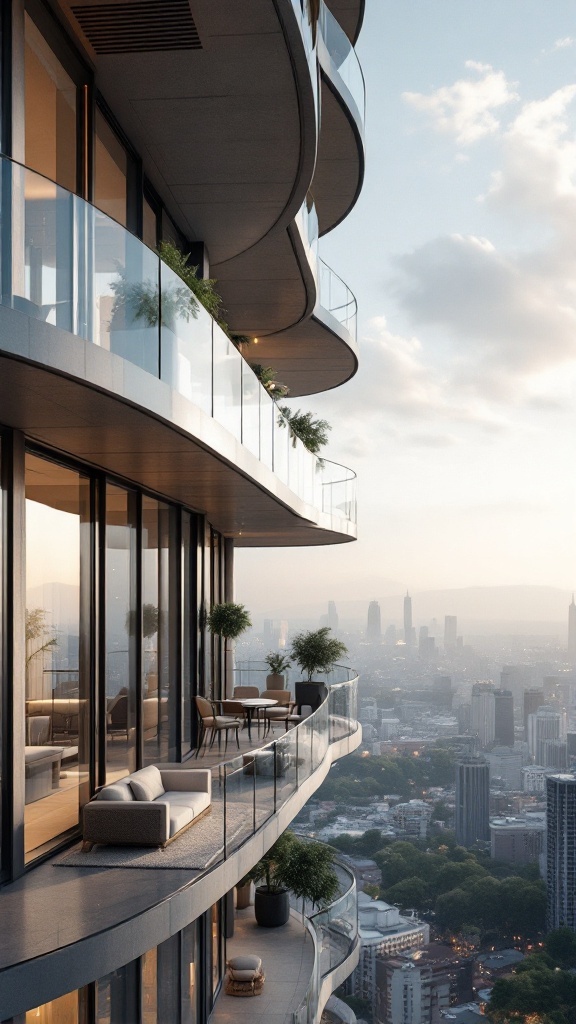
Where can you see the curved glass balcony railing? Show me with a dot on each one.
(335, 296)
(343, 57)
(68, 264)
(335, 933)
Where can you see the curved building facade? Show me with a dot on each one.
(138, 450)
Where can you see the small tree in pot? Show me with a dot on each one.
(291, 864)
(229, 621)
(315, 651)
(278, 664)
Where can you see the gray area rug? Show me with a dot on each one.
(196, 849)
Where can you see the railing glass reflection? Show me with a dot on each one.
(68, 264)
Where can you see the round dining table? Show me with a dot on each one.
(252, 704)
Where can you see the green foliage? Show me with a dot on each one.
(150, 620)
(317, 651)
(228, 620)
(560, 945)
(409, 894)
(539, 992)
(305, 868)
(38, 637)
(267, 377)
(277, 662)
(203, 288)
(361, 1007)
(312, 432)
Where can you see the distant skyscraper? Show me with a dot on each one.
(374, 624)
(572, 632)
(463, 714)
(503, 718)
(532, 699)
(545, 724)
(332, 616)
(268, 633)
(391, 636)
(561, 851)
(555, 755)
(408, 635)
(450, 632)
(482, 713)
(472, 800)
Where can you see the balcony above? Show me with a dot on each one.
(349, 14)
(255, 796)
(106, 355)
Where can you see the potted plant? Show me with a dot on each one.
(291, 864)
(315, 651)
(229, 621)
(243, 888)
(278, 664)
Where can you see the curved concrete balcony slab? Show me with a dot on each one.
(224, 115)
(107, 356)
(111, 915)
(339, 171)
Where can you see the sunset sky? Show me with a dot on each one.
(462, 254)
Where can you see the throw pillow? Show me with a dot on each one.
(147, 783)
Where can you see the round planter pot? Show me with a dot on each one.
(243, 896)
(275, 682)
(271, 909)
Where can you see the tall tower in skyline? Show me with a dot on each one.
(450, 632)
(483, 713)
(572, 632)
(408, 635)
(503, 718)
(374, 624)
(561, 851)
(472, 800)
(333, 620)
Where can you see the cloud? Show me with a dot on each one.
(564, 43)
(466, 108)
(508, 317)
(538, 176)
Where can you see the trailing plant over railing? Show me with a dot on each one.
(312, 432)
(203, 288)
(267, 377)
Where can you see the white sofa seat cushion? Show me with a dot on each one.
(179, 817)
(147, 783)
(197, 802)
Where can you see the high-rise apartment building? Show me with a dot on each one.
(483, 713)
(408, 628)
(505, 767)
(503, 718)
(374, 623)
(572, 632)
(450, 632)
(545, 724)
(532, 700)
(139, 449)
(518, 840)
(472, 801)
(561, 851)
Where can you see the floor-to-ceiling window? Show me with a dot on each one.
(159, 630)
(111, 163)
(51, 101)
(121, 631)
(58, 711)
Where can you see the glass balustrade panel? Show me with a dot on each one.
(186, 339)
(251, 389)
(227, 383)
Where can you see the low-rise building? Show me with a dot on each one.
(412, 818)
(383, 931)
(534, 778)
(518, 840)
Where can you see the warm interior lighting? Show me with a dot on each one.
(192, 976)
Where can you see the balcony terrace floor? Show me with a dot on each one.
(288, 962)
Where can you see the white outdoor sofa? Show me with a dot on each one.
(148, 808)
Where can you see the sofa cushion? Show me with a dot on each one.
(197, 802)
(147, 783)
(116, 791)
(179, 817)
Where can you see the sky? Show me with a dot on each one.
(461, 251)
